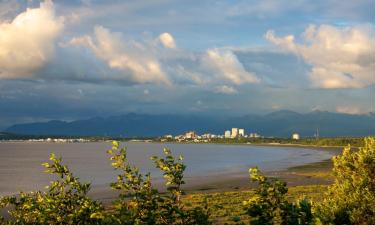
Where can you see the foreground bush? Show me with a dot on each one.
(351, 199)
(269, 205)
(140, 203)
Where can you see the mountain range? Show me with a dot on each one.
(278, 124)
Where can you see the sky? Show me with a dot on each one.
(69, 60)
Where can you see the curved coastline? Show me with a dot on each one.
(315, 173)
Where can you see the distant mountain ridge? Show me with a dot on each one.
(279, 124)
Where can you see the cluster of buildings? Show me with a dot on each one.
(193, 136)
(239, 133)
(56, 140)
(234, 133)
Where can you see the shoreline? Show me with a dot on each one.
(290, 145)
(325, 147)
(312, 147)
(315, 173)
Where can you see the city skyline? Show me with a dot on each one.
(71, 60)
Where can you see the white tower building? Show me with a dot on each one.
(234, 132)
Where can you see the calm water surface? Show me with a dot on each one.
(20, 167)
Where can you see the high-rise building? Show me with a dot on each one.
(241, 132)
(227, 134)
(234, 132)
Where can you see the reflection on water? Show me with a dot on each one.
(20, 163)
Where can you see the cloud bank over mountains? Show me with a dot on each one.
(85, 57)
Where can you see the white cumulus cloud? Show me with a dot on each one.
(27, 42)
(340, 57)
(136, 60)
(226, 65)
(167, 40)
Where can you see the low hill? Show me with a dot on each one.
(279, 124)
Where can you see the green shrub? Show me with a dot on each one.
(269, 205)
(140, 203)
(351, 199)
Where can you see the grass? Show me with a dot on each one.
(321, 169)
(227, 207)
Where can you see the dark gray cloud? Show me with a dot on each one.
(277, 69)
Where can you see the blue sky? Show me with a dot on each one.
(69, 60)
